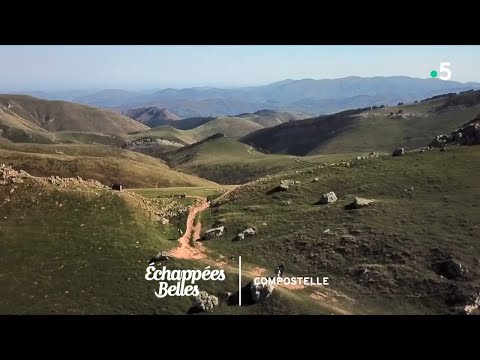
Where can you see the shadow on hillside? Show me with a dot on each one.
(350, 206)
(246, 297)
(274, 190)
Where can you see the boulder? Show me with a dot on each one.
(261, 292)
(451, 269)
(287, 182)
(328, 198)
(214, 233)
(468, 134)
(399, 152)
(249, 232)
(470, 308)
(204, 302)
(161, 256)
(316, 179)
(361, 202)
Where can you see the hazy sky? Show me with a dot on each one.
(137, 67)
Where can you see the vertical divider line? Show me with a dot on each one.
(239, 281)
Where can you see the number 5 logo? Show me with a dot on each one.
(445, 68)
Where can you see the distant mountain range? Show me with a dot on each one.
(314, 97)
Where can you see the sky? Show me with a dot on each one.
(138, 67)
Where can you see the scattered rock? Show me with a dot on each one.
(399, 152)
(408, 189)
(286, 202)
(261, 292)
(214, 233)
(161, 256)
(451, 269)
(328, 198)
(359, 203)
(348, 239)
(297, 182)
(468, 134)
(204, 302)
(287, 182)
(326, 231)
(316, 179)
(247, 232)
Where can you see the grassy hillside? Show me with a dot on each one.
(381, 257)
(86, 252)
(103, 163)
(365, 130)
(269, 118)
(231, 126)
(29, 113)
(166, 132)
(79, 253)
(228, 161)
(152, 116)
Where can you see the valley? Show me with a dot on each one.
(322, 194)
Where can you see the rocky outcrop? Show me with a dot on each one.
(148, 142)
(468, 134)
(204, 302)
(161, 256)
(451, 269)
(398, 152)
(247, 232)
(328, 198)
(214, 233)
(359, 203)
(287, 183)
(8, 174)
(260, 292)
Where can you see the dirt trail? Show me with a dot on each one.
(301, 161)
(185, 251)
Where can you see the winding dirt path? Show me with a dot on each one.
(184, 250)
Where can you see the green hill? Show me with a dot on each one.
(382, 259)
(166, 132)
(234, 127)
(28, 119)
(269, 118)
(227, 161)
(364, 130)
(69, 251)
(103, 163)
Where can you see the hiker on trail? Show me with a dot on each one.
(280, 269)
